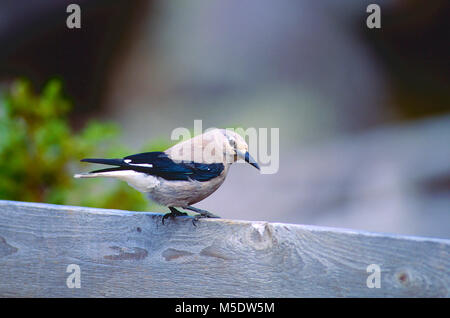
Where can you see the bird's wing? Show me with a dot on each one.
(159, 164)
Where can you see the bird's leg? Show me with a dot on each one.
(203, 213)
(173, 213)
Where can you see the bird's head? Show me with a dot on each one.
(236, 148)
(215, 145)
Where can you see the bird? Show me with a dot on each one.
(182, 175)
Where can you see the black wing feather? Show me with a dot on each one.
(163, 166)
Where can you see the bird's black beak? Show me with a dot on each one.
(251, 161)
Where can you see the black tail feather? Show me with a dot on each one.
(112, 162)
(122, 165)
(110, 169)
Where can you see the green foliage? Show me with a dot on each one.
(39, 152)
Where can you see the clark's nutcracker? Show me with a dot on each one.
(183, 174)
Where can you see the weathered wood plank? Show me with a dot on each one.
(131, 254)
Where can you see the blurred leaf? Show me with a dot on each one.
(39, 152)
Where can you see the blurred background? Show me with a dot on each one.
(364, 114)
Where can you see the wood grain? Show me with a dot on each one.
(131, 254)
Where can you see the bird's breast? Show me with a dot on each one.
(184, 193)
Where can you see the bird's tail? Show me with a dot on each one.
(111, 162)
(109, 172)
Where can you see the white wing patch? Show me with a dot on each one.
(148, 165)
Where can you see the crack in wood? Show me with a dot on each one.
(5, 248)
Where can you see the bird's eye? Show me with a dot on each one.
(233, 143)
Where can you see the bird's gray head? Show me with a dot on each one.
(235, 147)
(214, 146)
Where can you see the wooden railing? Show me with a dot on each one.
(64, 251)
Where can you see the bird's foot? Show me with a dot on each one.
(206, 214)
(173, 214)
(201, 214)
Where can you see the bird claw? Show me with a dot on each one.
(173, 214)
(195, 220)
(210, 215)
(203, 215)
